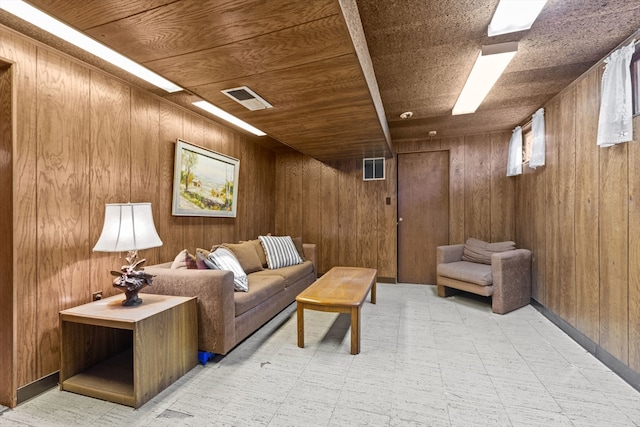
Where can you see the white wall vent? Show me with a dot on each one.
(373, 169)
(245, 96)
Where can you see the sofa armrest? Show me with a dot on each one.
(511, 271)
(310, 253)
(449, 253)
(216, 306)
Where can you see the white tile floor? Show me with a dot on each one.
(424, 361)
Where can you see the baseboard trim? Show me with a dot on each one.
(610, 361)
(33, 389)
(386, 280)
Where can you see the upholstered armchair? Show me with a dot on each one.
(495, 270)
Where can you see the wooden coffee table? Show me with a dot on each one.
(340, 290)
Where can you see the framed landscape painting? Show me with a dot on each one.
(205, 183)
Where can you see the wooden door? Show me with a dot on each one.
(423, 214)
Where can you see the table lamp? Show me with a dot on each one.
(129, 227)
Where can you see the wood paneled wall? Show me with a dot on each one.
(84, 139)
(580, 216)
(332, 206)
(481, 196)
(7, 289)
(350, 221)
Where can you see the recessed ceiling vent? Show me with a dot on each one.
(245, 96)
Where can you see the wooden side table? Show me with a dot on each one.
(127, 355)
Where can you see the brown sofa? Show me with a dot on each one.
(225, 317)
(506, 279)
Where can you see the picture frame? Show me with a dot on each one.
(205, 182)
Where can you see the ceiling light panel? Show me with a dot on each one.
(218, 112)
(51, 25)
(514, 15)
(489, 66)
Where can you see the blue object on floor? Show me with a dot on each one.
(204, 356)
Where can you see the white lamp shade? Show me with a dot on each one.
(127, 227)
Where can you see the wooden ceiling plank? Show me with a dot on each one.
(291, 47)
(192, 25)
(85, 14)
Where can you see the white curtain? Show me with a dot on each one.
(615, 124)
(514, 162)
(538, 144)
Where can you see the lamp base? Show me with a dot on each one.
(131, 299)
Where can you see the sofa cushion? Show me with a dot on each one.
(480, 251)
(261, 287)
(466, 271)
(202, 259)
(297, 241)
(290, 274)
(260, 251)
(184, 260)
(247, 256)
(224, 259)
(280, 251)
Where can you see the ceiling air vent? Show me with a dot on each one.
(248, 98)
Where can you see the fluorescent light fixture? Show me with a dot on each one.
(228, 117)
(490, 64)
(514, 15)
(40, 19)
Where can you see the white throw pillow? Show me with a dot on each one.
(280, 251)
(224, 259)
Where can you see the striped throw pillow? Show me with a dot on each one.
(280, 251)
(224, 259)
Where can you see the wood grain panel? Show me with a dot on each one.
(329, 255)
(290, 47)
(244, 213)
(566, 206)
(634, 249)
(281, 201)
(524, 206)
(110, 170)
(63, 194)
(539, 215)
(145, 160)
(348, 209)
(7, 291)
(613, 251)
(24, 198)
(455, 145)
(586, 207)
(312, 202)
(477, 179)
(99, 12)
(162, 32)
(293, 188)
(370, 197)
(502, 190)
(262, 201)
(552, 240)
(168, 226)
